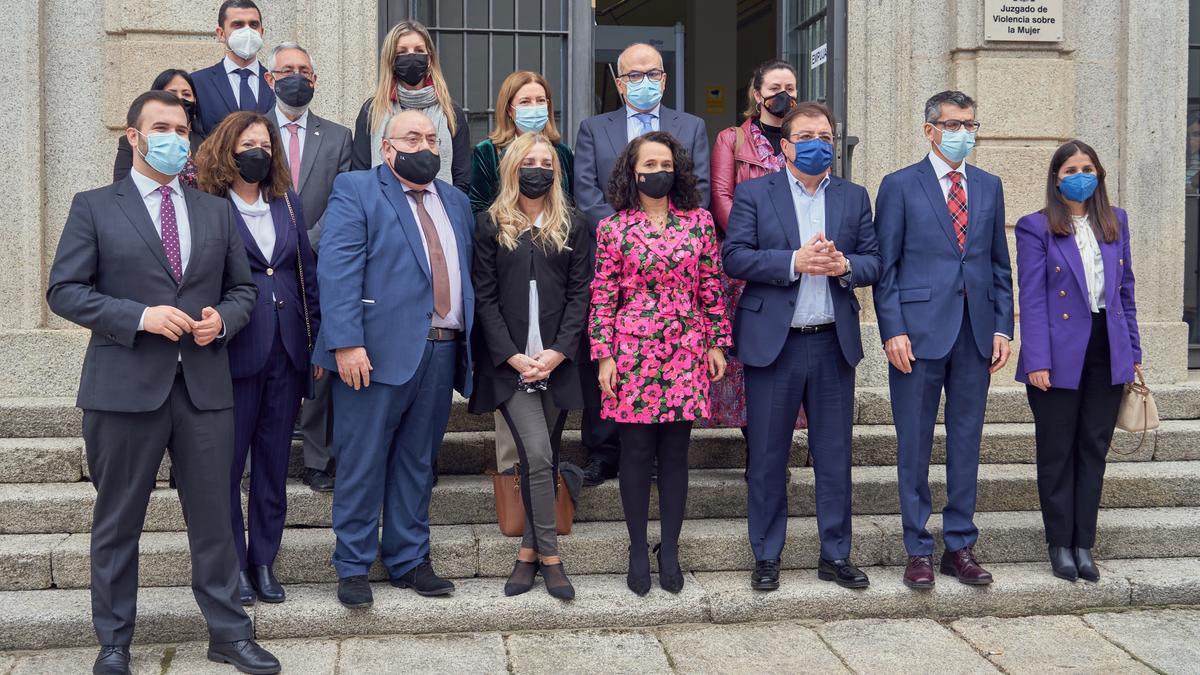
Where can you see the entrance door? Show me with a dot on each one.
(813, 35)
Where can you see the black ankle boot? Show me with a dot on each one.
(557, 583)
(1062, 563)
(521, 579)
(638, 578)
(1086, 565)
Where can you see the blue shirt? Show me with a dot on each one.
(633, 125)
(814, 304)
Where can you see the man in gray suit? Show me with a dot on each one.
(317, 150)
(158, 273)
(641, 81)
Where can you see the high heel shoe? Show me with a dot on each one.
(557, 583)
(1062, 563)
(521, 579)
(1087, 566)
(638, 577)
(671, 581)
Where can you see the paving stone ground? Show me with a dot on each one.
(1133, 641)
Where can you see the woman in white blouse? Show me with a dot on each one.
(270, 357)
(1079, 346)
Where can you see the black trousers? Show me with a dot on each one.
(640, 445)
(124, 451)
(600, 436)
(1074, 428)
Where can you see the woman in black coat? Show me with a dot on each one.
(176, 82)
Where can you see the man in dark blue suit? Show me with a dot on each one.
(238, 81)
(396, 303)
(945, 309)
(803, 240)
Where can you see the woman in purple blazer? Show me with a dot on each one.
(1079, 345)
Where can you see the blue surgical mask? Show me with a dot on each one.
(166, 152)
(813, 157)
(1078, 187)
(956, 145)
(530, 117)
(643, 95)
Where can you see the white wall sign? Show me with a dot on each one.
(1023, 20)
(818, 57)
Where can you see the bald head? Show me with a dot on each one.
(409, 121)
(639, 56)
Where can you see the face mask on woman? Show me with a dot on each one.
(254, 165)
(531, 117)
(656, 185)
(411, 68)
(1078, 187)
(779, 104)
(536, 181)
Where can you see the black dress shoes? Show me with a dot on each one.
(638, 576)
(266, 584)
(765, 576)
(354, 592)
(245, 655)
(596, 472)
(1062, 563)
(319, 481)
(424, 581)
(671, 580)
(112, 660)
(521, 579)
(1086, 565)
(246, 592)
(843, 573)
(557, 583)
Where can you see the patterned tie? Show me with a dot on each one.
(647, 122)
(293, 153)
(170, 231)
(437, 258)
(957, 203)
(246, 99)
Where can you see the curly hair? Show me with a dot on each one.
(622, 192)
(216, 169)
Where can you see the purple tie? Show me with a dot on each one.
(170, 231)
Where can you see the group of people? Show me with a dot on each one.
(250, 255)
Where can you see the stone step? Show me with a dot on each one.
(58, 417)
(37, 561)
(50, 508)
(61, 618)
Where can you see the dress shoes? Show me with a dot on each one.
(424, 581)
(671, 580)
(354, 592)
(637, 578)
(1062, 563)
(557, 583)
(765, 576)
(266, 585)
(918, 573)
(596, 472)
(246, 592)
(521, 579)
(1086, 565)
(842, 572)
(319, 481)
(112, 660)
(961, 564)
(245, 655)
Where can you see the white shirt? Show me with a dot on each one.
(814, 304)
(533, 344)
(286, 134)
(633, 125)
(235, 80)
(257, 217)
(433, 204)
(1093, 261)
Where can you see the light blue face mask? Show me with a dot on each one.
(956, 145)
(644, 95)
(166, 152)
(530, 117)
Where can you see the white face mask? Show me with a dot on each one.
(245, 42)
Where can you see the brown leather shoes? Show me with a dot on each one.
(919, 572)
(962, 565)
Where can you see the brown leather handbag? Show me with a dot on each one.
(510, 508)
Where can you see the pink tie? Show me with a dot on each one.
(294, 154)
(170, 231)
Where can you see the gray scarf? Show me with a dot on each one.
(424, 100)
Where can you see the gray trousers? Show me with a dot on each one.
(316, 422)
(536, 426)
(506, 447)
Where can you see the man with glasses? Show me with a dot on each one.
(316, 151)
(803, 241)
(945, 309)
(641, 81)
(397, 301)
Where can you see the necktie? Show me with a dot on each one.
(957, 203)
(437, 258)
(170, 231)
(246, 100)
(647, 122)
(293, 153)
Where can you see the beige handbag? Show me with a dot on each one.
(1138, 413)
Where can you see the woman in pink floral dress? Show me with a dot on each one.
(659, 330)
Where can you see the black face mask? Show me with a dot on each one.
(254, 164)
(410, 68)
(189, 107)
(294, 90)
(656, 185)
(536, 181)
(419, 168)
(779, 104)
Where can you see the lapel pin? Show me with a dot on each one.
(316, 133)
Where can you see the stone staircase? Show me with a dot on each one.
(1149, 540)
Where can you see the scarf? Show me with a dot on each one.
(424, 100)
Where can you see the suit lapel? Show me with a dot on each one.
(282, 221)
(393, 191)
(1110, 252)
(937, 202)
(833, 208)
(785, 208)
(135, 210)
(618, 132)
(262, 99)
(1069, 250)
(312, 146)
(196, 230)
(668, 121)
(975, 203)
(220, 81)
(248, 240)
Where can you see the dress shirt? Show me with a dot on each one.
(814, 304)
(433, 204)
(285, 135)
(633, 125)
(235, 80)
(533, 343)
(1093, 261)
(257, 217)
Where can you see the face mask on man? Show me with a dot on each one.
(956, 145)
(254, 165)
(166, 152)
(1078, 187)
(656, 185)
(813, 157)
(531, 117)
(536, 181)
(294, 90)
(411, 68)
(418, 168)
(644, 95)
(245, 42)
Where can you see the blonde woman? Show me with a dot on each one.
(410, 78)
(524, 105)
(531, 273)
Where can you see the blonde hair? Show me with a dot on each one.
(506, 130)
(510, 220)
(385, 88)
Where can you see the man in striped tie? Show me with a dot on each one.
(945, 309)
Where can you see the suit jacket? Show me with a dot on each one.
(926, 277)
(376, 288)
(215, 99)
(1056, 313)
(501, 279)
(601, 140)
(485, 173)
(278, 303)
(761, 237)
(326, 154)
(110, 266)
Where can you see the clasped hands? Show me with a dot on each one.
(537, 367)
(172, 322)
(820, 257)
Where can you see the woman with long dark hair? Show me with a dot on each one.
(172, 81)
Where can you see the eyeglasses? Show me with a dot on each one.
(955, 125)
(289, 71)
(804, 138)
(412, 141)
(635, 76)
